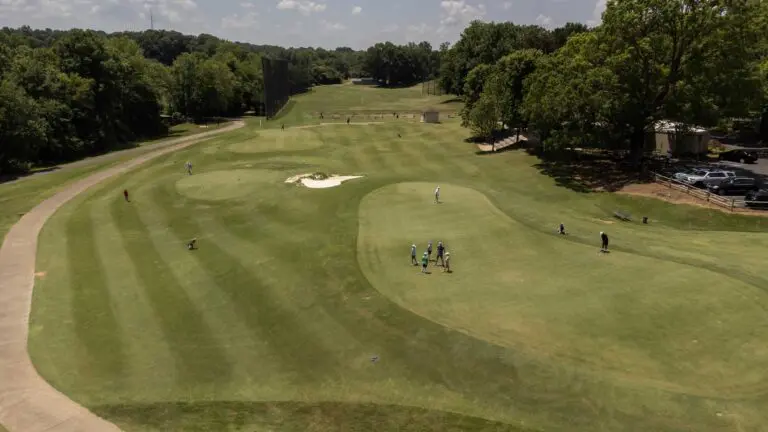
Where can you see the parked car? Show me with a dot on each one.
(734, 186)
(736, 155)
(757, 199)
(708, 177)
(681, 175)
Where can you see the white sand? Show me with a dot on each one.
(332, 181)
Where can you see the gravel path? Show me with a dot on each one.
(27, 402)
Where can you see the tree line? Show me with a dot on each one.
(694, 62)
(68, 94)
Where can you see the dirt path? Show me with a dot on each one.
(27, 402)
(661, 192)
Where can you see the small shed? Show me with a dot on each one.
(676, 139)
(430, 115)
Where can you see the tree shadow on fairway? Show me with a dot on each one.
(293, 415)
(587, 172)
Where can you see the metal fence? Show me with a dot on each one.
(701, 194)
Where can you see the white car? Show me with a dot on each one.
(704, 178)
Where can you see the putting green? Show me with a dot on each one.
(276, 140)
(226, 185)
(650, 321)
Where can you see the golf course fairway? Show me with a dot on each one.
(530, 290)
(300, 309)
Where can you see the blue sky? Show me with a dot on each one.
(324, 23)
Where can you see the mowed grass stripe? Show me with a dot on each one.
(201, 287)
(199, 357)
(257, 305)
(52, 323)
(145, 348)
(100, 350)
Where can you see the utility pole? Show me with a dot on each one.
(151, 20)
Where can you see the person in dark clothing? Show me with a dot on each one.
(440, 253)
(125, 194)
(604, 240)
(561, 230)
(347, 120)
(429, 251)
(282, 127)
(192, 244)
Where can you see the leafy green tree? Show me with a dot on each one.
(506, 83)
(483, 118)
(22, 131)
(473, 89)
(688, 61)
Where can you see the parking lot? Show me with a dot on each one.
(758, 171)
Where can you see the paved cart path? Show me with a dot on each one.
(27, 402)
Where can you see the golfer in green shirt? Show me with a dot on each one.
(424, 262)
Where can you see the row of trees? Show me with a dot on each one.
(402, 64)
(690, 61)
(68, 94)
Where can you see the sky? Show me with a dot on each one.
(320, 23)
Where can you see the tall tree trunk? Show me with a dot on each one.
(636, 145)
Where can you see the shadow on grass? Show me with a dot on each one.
(318, 416)
(451, 100)
(587, 172)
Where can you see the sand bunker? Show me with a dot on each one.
(319, 180)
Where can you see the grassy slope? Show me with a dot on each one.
(348, 99)
(18, 197)
(274, 320)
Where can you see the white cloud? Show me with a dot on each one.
(240, 21)
(458, 12)
(305, 7)
(390, 28)
(507, 5)
(597, 13)
(332, 26)
(419, 29)
(544, 21)
(356, 10)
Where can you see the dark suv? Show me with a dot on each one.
(733, 186)
(737, 155)
(757, 199)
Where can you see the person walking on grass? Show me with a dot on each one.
(447, 262)
(604, 242)
(125, 194)
(561, 230)
(424, 262)
(282, 127)
(429, 251)
(437, 194)
(188, 166)
(440, 253)
(413, 255)
(192, 245)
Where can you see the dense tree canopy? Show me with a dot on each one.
(486, 43)
(67, 94)
(691, 61)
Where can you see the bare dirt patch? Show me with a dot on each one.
(658, 191)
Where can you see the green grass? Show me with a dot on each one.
(20, 196)
(365, 103)
(272, 323)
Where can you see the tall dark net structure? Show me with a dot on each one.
(277, 88)
(432, 88)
